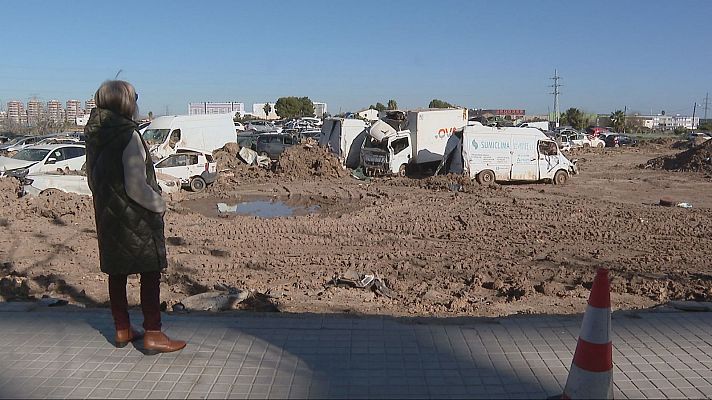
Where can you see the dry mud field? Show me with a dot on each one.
(479, 251)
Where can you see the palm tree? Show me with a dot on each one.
(618, 120)
(268, 109)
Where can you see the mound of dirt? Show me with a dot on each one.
(662, 142)
(9, 189)
(226, 157)
(310, 160)
(696, 159)
(60, 206)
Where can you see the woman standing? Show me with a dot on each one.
(129, 212)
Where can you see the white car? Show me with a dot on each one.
(37, 159)
(20, 143)
(194, 169)
(37, 184)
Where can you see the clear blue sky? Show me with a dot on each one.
(645, 54)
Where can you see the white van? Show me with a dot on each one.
(165, 135)
(491, 154)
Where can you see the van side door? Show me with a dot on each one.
(524, 159)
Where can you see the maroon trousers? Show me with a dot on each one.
(150, 301)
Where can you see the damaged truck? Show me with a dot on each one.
(409, 140)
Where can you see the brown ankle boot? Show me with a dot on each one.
(124, 336)
(155, 342)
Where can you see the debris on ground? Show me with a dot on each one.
(213, 301)
(362, 281)
(696, 159)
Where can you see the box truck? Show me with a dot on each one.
(166, 135)
(490, 154)
(344, 137)
(412, 138)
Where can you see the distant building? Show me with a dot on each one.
(208, 107)
(89, 105)
(320, 109)
(16, 112)
(668, 122)
(73, 110)
(35, 111)
(55, 112)
(258, 109)
(510, 114)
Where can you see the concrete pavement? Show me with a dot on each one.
(65, 352)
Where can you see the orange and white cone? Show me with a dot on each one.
(591, 373)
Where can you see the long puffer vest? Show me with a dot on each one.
(130, 237)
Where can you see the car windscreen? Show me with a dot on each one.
(31, 154)
(372, 143)
(154, 136)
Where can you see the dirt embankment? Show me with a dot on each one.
(695, 159)
(444, 245)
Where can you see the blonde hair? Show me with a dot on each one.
(117, 96)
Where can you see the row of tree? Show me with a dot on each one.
(617, 119)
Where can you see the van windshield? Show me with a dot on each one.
(155, 136)
(372, 143)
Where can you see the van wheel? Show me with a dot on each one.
(401, 170)
(561, 177)
(197, 184)
(601, 145)
(485, 177)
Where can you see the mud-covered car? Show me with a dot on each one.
(195, 169)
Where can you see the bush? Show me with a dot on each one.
(680, 130)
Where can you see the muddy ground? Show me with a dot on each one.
(481, 251)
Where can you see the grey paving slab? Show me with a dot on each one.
(59, 354)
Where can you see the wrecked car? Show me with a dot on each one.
(38, 159)
(195, 169)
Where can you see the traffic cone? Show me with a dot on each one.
(591, 373)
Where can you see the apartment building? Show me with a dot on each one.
(89, 105)
(35, 111)
(55, 111)
(16, 112)
(73, 110)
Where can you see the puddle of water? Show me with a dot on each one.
(267, 207)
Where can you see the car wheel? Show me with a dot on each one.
(601, 145)
(402, 170)
(197, 184)
(561, 177)
(586, 145)
(485, 177)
